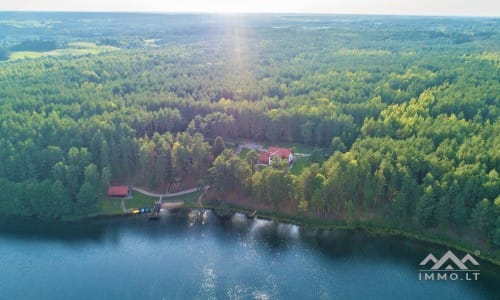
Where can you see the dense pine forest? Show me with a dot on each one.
(402, 114)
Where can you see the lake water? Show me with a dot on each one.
(197, 256)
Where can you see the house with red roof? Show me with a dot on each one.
(119, 191)
(266, 158)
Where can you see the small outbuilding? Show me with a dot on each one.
(119, 191)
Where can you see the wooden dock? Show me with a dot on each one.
(155, 213)
(252, 215)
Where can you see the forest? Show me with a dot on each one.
(403, 113)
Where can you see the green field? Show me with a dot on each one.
(140, 200)
(26, 54)
(109, 206)
(74, 48)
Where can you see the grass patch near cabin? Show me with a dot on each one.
(140, 200)
(109, 206)
(300, 164)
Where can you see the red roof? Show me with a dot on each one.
(282, 153)
(264, 158)
(118, 191)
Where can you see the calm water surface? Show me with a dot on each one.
(197, 256)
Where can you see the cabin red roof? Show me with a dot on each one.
(264, 158)
(282, 153)
(118, 191)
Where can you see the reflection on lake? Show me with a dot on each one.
(195, 255)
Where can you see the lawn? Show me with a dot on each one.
(139, 200)
(109, 206)
(300, 164)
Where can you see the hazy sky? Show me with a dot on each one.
(414, 7)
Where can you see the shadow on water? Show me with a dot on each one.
(337, 244)
(96, 230)
(363, 245)
(35, 229)
(273, 237)
(355, 246)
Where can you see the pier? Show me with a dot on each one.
(155, 213)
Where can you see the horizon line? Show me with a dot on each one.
(402, 14)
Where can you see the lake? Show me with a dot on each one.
(197, 256)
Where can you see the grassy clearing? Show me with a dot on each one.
(74, 48)
(109, 206)
(300, 164)
(140, 200)
(26, 54)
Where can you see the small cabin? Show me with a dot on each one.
(119, 191)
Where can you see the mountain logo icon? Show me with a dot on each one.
(449, 261)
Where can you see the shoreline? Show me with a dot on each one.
(370, 227)
(314, 223)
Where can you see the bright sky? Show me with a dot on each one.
(412, 7)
